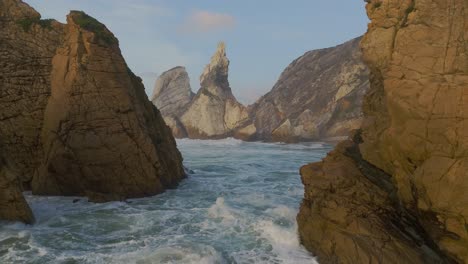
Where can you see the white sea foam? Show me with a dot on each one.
(221, 210)
(239, 206)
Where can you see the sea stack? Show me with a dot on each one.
(172, 94)
(75, 120)
(214, 111)
(397, 192)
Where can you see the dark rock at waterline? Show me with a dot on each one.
(13, 206)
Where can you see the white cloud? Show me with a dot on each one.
(201, 21)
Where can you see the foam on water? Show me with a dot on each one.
(238, 206)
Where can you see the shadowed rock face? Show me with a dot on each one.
(413, 148)
(74, 118)
(13, 206)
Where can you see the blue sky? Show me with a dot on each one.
(262, 36)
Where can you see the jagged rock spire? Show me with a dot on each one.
(215, 75)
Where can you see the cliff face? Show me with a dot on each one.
(27, 45)
(75, 119)
(317, 96)
(398, 192)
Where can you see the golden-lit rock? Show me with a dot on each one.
(415, 131)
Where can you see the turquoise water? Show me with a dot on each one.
(238, 206)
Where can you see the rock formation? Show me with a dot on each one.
(317, 96)
(172, 92)
(397, 193)
(13, 206)
(212, 113)
(27, 45)
(75, 120)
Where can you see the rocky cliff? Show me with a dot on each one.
(75, 120)
(319, 95)
(212, 113)
(397, 193)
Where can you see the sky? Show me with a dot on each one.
(262, 36)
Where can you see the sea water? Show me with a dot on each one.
(238, 205)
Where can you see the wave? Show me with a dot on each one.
(197, 142)
(236, 142)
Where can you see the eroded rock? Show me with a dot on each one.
(13, 206)
(172, 92)
(214, 112)
(74, 119)
(415, 131)
(317, 96)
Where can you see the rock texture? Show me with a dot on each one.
(172, 92)
(317, 96)
(27, 45)
(75, 120)
(399, 192)
(212, 113)
(13, 206)
(172, 95)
